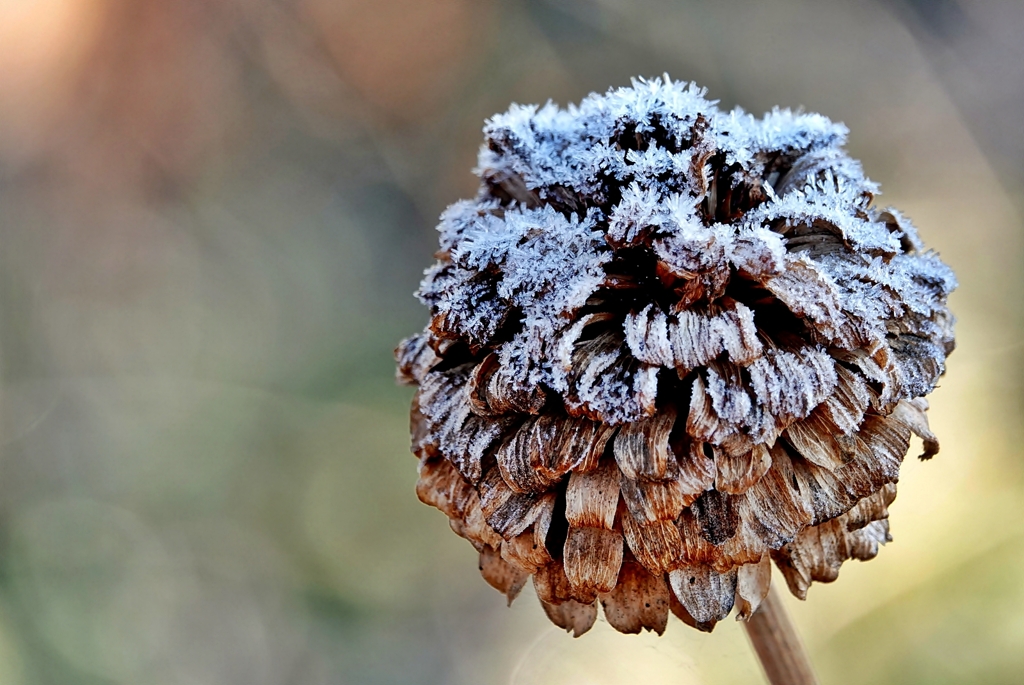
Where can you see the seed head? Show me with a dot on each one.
(668, 344)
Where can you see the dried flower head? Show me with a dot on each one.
(668, 344)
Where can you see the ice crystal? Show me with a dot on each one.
(668, 342)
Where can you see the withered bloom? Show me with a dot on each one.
(667, 345)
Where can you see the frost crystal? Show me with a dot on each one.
(668, 343)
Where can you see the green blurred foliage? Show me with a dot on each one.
(214, 213)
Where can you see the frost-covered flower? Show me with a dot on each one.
(668, 344)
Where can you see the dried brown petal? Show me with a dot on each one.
(744, 547)
(658, 546)
(592, 498)
(825, 491)
(575, 617)
(507, 511)
(696, 470)
(697, 549)
(716, 516)
(818, 552)
(641, 448)
(874, 507)
(735, 474)
(774, 507)
(815, 439)
(415, 358)
(912, 413)
(441, 486)
(592, 558)
(654, 500)
(502, 576)
(683, 615)
(639, 601)
(553, 586)
(707, 595)
(752, 584)
(546, 448)
(474, 528)
(528, 550)
(845, 407)
(886, 441)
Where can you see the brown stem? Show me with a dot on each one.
(777, 644)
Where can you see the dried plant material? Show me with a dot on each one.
(546, 448)
(641, 448)
(650, 501)
(736, 473)
(639, 601)
(527, 551)
(912, 413)
(592, 559)
(501, 575)
(692, 338)
(574, 617)
(706, 594)
(752, 584)
(552, 584)
(657, 546)
(818, 552)
(592, 497)
(696, 468)
(667, 344)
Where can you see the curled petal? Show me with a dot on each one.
(696, 470)
(774, 507)
(752, 584)
(546, 448)
(415, 358)
(509, 512)
(641, 448)
(815, 439)
(735, 474)
(912, 413)
(819, 551)
(650, 501)
(691, 338)
(528, 550)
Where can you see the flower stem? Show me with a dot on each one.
(778, 645)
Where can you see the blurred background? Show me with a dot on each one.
(213, 214)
